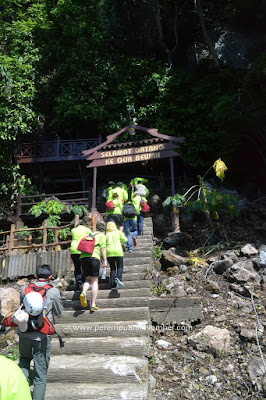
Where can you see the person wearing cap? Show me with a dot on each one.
(77, 233)
(114, 252)
(13, 384)
(36, 345)
(90, 264)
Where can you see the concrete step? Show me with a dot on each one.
(80, 391)
(107, 294)
(129, 346)
(138, 260)
(97, 369)
(138, 252)
(106, 285)
(109, 303)
(105, 315)
(102, 329)
(132, 276)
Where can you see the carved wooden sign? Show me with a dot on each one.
(124, 156)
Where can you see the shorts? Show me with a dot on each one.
(116, 218)
(90, 266)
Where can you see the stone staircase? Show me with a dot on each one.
(105, 353)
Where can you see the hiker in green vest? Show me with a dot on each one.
(115, 214)
(115, 254)
(13, 384)
(77, 234)
(120, 190)
(90, 263)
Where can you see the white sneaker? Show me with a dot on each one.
(119, 283)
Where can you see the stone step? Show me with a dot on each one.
(106, 285)
(137, 252)
(109, 303)
(107, 294)
(130, 269)
(105, 315)
(103, 329)
(138, 260)
(133, 276)
(80, 391)
(129, 346)
(97, 369)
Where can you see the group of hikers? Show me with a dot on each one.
(124, 212)
(40, 301)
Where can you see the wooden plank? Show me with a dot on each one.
(134, 158)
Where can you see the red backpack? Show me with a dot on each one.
(87, 244)
(144, 206)
(109, 205)
(41, 322)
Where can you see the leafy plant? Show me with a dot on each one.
(63, 233)
(80, 210)
(23, 233)
(211, 202)
(13, 353)
(157, 252)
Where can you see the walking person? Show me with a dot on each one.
(131, 211)
(37, 345)
(115, 214)
(114, 251)
(77, 233)
(90, 263)
(13, 384)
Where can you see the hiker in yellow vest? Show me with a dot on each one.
(115, 254)
(77, 234)
(115, 214)
(90, 264)
(121, 192)
(13, 383)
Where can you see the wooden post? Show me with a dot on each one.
(76, 221)
(11, 238)
(93, 206)
(44, 241)
(172, 175)
(94, 222)
(57, 248)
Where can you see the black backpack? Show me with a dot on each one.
(129, 210)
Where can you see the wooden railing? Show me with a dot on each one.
(82, 198)
(54, 150)
(10, 237)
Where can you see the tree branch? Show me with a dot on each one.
(198, 10)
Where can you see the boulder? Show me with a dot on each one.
(176, 239)
(155, 203)
(255, 368)
(243, 272)
(9, 300)
(170, 259)
(211, 340)
(248, 250)
(221, 266)
(162, 225)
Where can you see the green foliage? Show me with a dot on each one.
(80, 210)
(53, 208)
(13, 353)
(157, 252)
(64, 233)
(177, 200)
(14, 183)
(218, 203)
(23, 233)
(158, 289)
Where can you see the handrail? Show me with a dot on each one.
(10, 244)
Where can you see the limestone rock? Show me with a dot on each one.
(161, 225)
(211, 340)
(243, 271)
(10, 301)
(212, 287)
(155, 203)
(171, 259)
(248, 250)
(221, 266)
(255, 368)
(176, 239)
